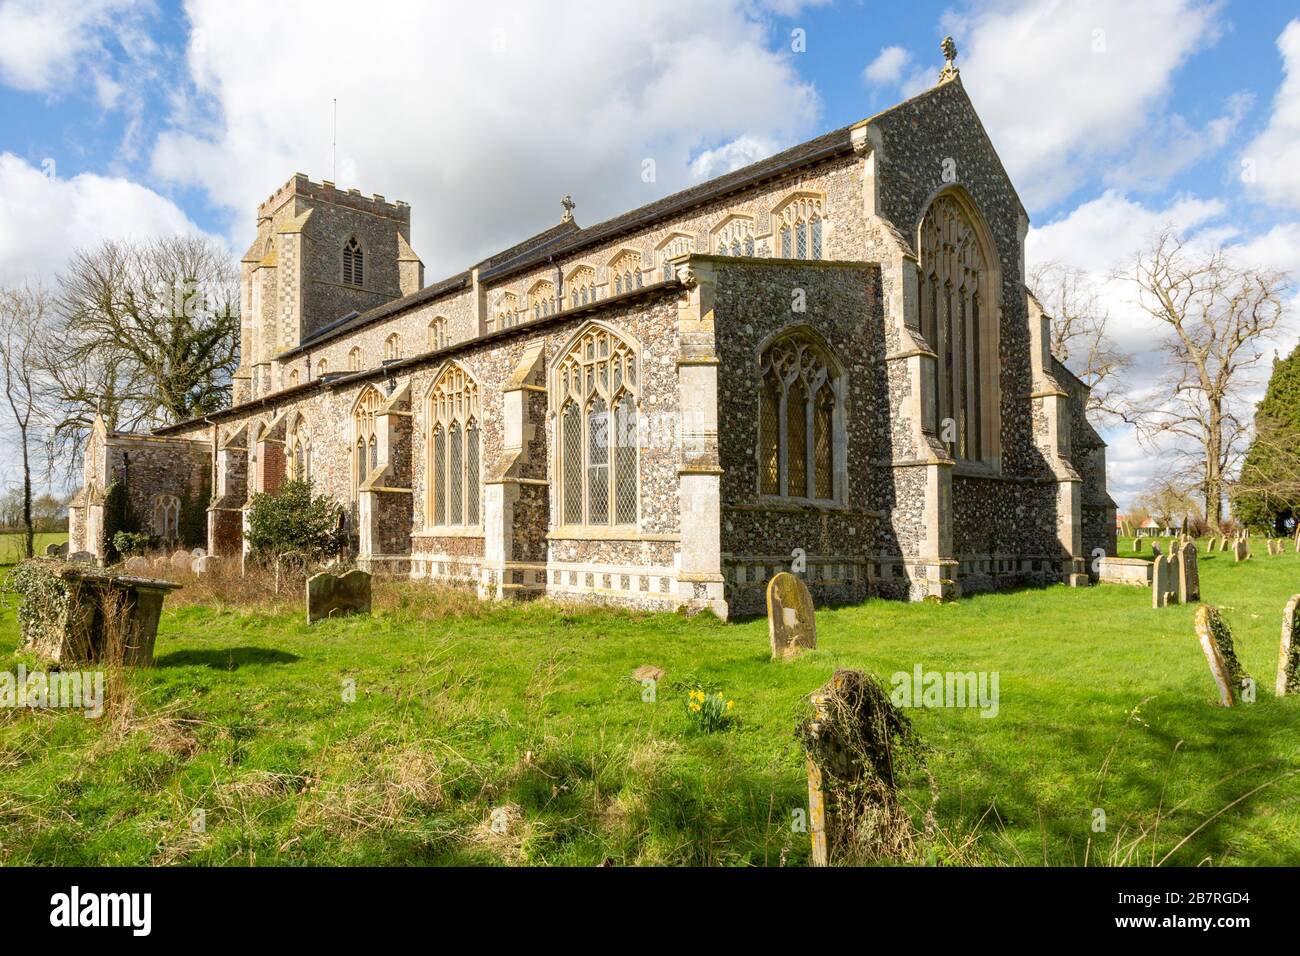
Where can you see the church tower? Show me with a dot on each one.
(320, 254)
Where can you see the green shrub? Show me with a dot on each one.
(292, 520)
(127, 543)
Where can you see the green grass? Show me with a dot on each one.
(11, 545)
(1104, 703)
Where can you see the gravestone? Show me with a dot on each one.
(1209, 546)
(1137, 545)
(1155, 548)
(1216, 643)
(1189, 575)
(197, 553)
(81, 557)
(1288, 655)
(1240, 551)
(335, 595)
(1272, 546)
(205, 563)
(181, 560)
(137, 565)
(52, 550)
(1164, 582)
(791, 622)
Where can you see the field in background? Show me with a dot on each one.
(241, 748)
(11, 545)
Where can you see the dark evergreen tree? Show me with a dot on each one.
(1267, 496)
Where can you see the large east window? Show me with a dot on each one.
(958, 321)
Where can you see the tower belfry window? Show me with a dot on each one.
(353, 263)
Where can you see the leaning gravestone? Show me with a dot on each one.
(1240, 551)
(1220, 653)
(791, 622)
(1164, 582)
(334, 595)
(1189, 575)
(1288, 655)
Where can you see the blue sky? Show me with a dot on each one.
(135, 118)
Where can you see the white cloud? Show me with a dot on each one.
(739, 152)
(887, 67)
(46, 44)
(480, 116)
(1061, 85)
(43, 218)
(1272, 160)
(1173, 145)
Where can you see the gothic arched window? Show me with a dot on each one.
(392, 347)
(625, 272)
(365, 449)
(541, 299)
(580, 286)
(293, 378)
(799, 224)
(167, 517)
(438, 333)
(454, 423)
(596, 385)
(734, 237)
(299, 448)
(800, 420)
(322, 367)
(956, 296)
(678, 244)
(354, 272)
(354, 359)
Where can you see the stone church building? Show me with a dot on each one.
(827, 360)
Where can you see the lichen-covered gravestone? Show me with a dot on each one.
(1220, 653)
(1288, 655)
(791, 623)
(334, 595)
(1164, 582)
(1189, 575)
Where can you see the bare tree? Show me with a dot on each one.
(1079, 336)
(149, 334)
(1218, 317)
(24, 315)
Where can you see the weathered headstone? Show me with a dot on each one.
(198, 553)
(81, 557)
(1137, 545)
(1288, 654)
(51, 550)
(1164, 582)
(1268, 542)
(1240, 550)
(137, 565)
(791, 622)
(205, 563)
(181, 560)
(1189, 575)
(1220, 653)
(334, 595)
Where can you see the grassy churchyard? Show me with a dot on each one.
(11, 545)
(242, 746)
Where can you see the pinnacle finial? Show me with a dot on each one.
(569, 205)
(949, 49)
